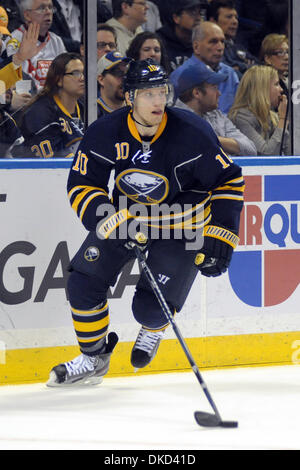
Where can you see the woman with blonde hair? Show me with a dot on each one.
(275, 51)
(259, 110)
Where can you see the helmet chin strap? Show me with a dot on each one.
(144, 125)
(140, 124)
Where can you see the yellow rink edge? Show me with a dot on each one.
(20, 366)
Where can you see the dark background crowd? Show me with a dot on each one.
(227, 60)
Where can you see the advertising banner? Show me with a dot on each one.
(40, 233)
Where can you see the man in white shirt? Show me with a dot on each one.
(128, 18)
(41, 12)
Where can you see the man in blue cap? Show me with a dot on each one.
(196, 85)
(111, 72)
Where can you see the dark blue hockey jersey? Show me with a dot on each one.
(183, 166)
(49, 130)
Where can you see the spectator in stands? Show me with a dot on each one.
(106, 40)
(223, 13)
(197, 88)
(11, 67)
(208, 46)
(111, 72)
(147, 45)
(260, 110)
(41, 12)
(11, 72)
(164, 9)
(153, 21)
(128, 18)
(176, 33)
(68, 19)
(275, 51)
(14, 101)
(67, 23)
(52, 124)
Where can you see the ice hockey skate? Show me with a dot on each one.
(84, 370)
(145, 347)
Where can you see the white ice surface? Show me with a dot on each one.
(156, 412)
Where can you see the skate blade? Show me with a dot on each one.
(86, 381)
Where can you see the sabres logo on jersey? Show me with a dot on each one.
(144, 187)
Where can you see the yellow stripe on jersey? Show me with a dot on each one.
(198, 211)
(83, 194)
(228, 196)
(78, 188)
(88, 200)
(232, 188)
(191, 224)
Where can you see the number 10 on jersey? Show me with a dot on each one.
(81, 163)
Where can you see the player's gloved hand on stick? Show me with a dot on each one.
(117, 229)
(215, 255)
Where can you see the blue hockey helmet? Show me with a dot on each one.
(145, 74)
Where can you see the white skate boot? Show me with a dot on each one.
(84, 370)
(145, 347)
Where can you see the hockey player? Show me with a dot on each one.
(160, 155)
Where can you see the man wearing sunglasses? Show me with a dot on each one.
(111, 72)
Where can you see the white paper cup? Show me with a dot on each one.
(23, 86)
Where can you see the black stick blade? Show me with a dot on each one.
(229, 424)
(210, 420)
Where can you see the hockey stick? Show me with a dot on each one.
(202, 418)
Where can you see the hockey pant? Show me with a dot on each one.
(96, 267)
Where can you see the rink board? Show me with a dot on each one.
(249, 316)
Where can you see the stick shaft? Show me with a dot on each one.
(166, 310)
